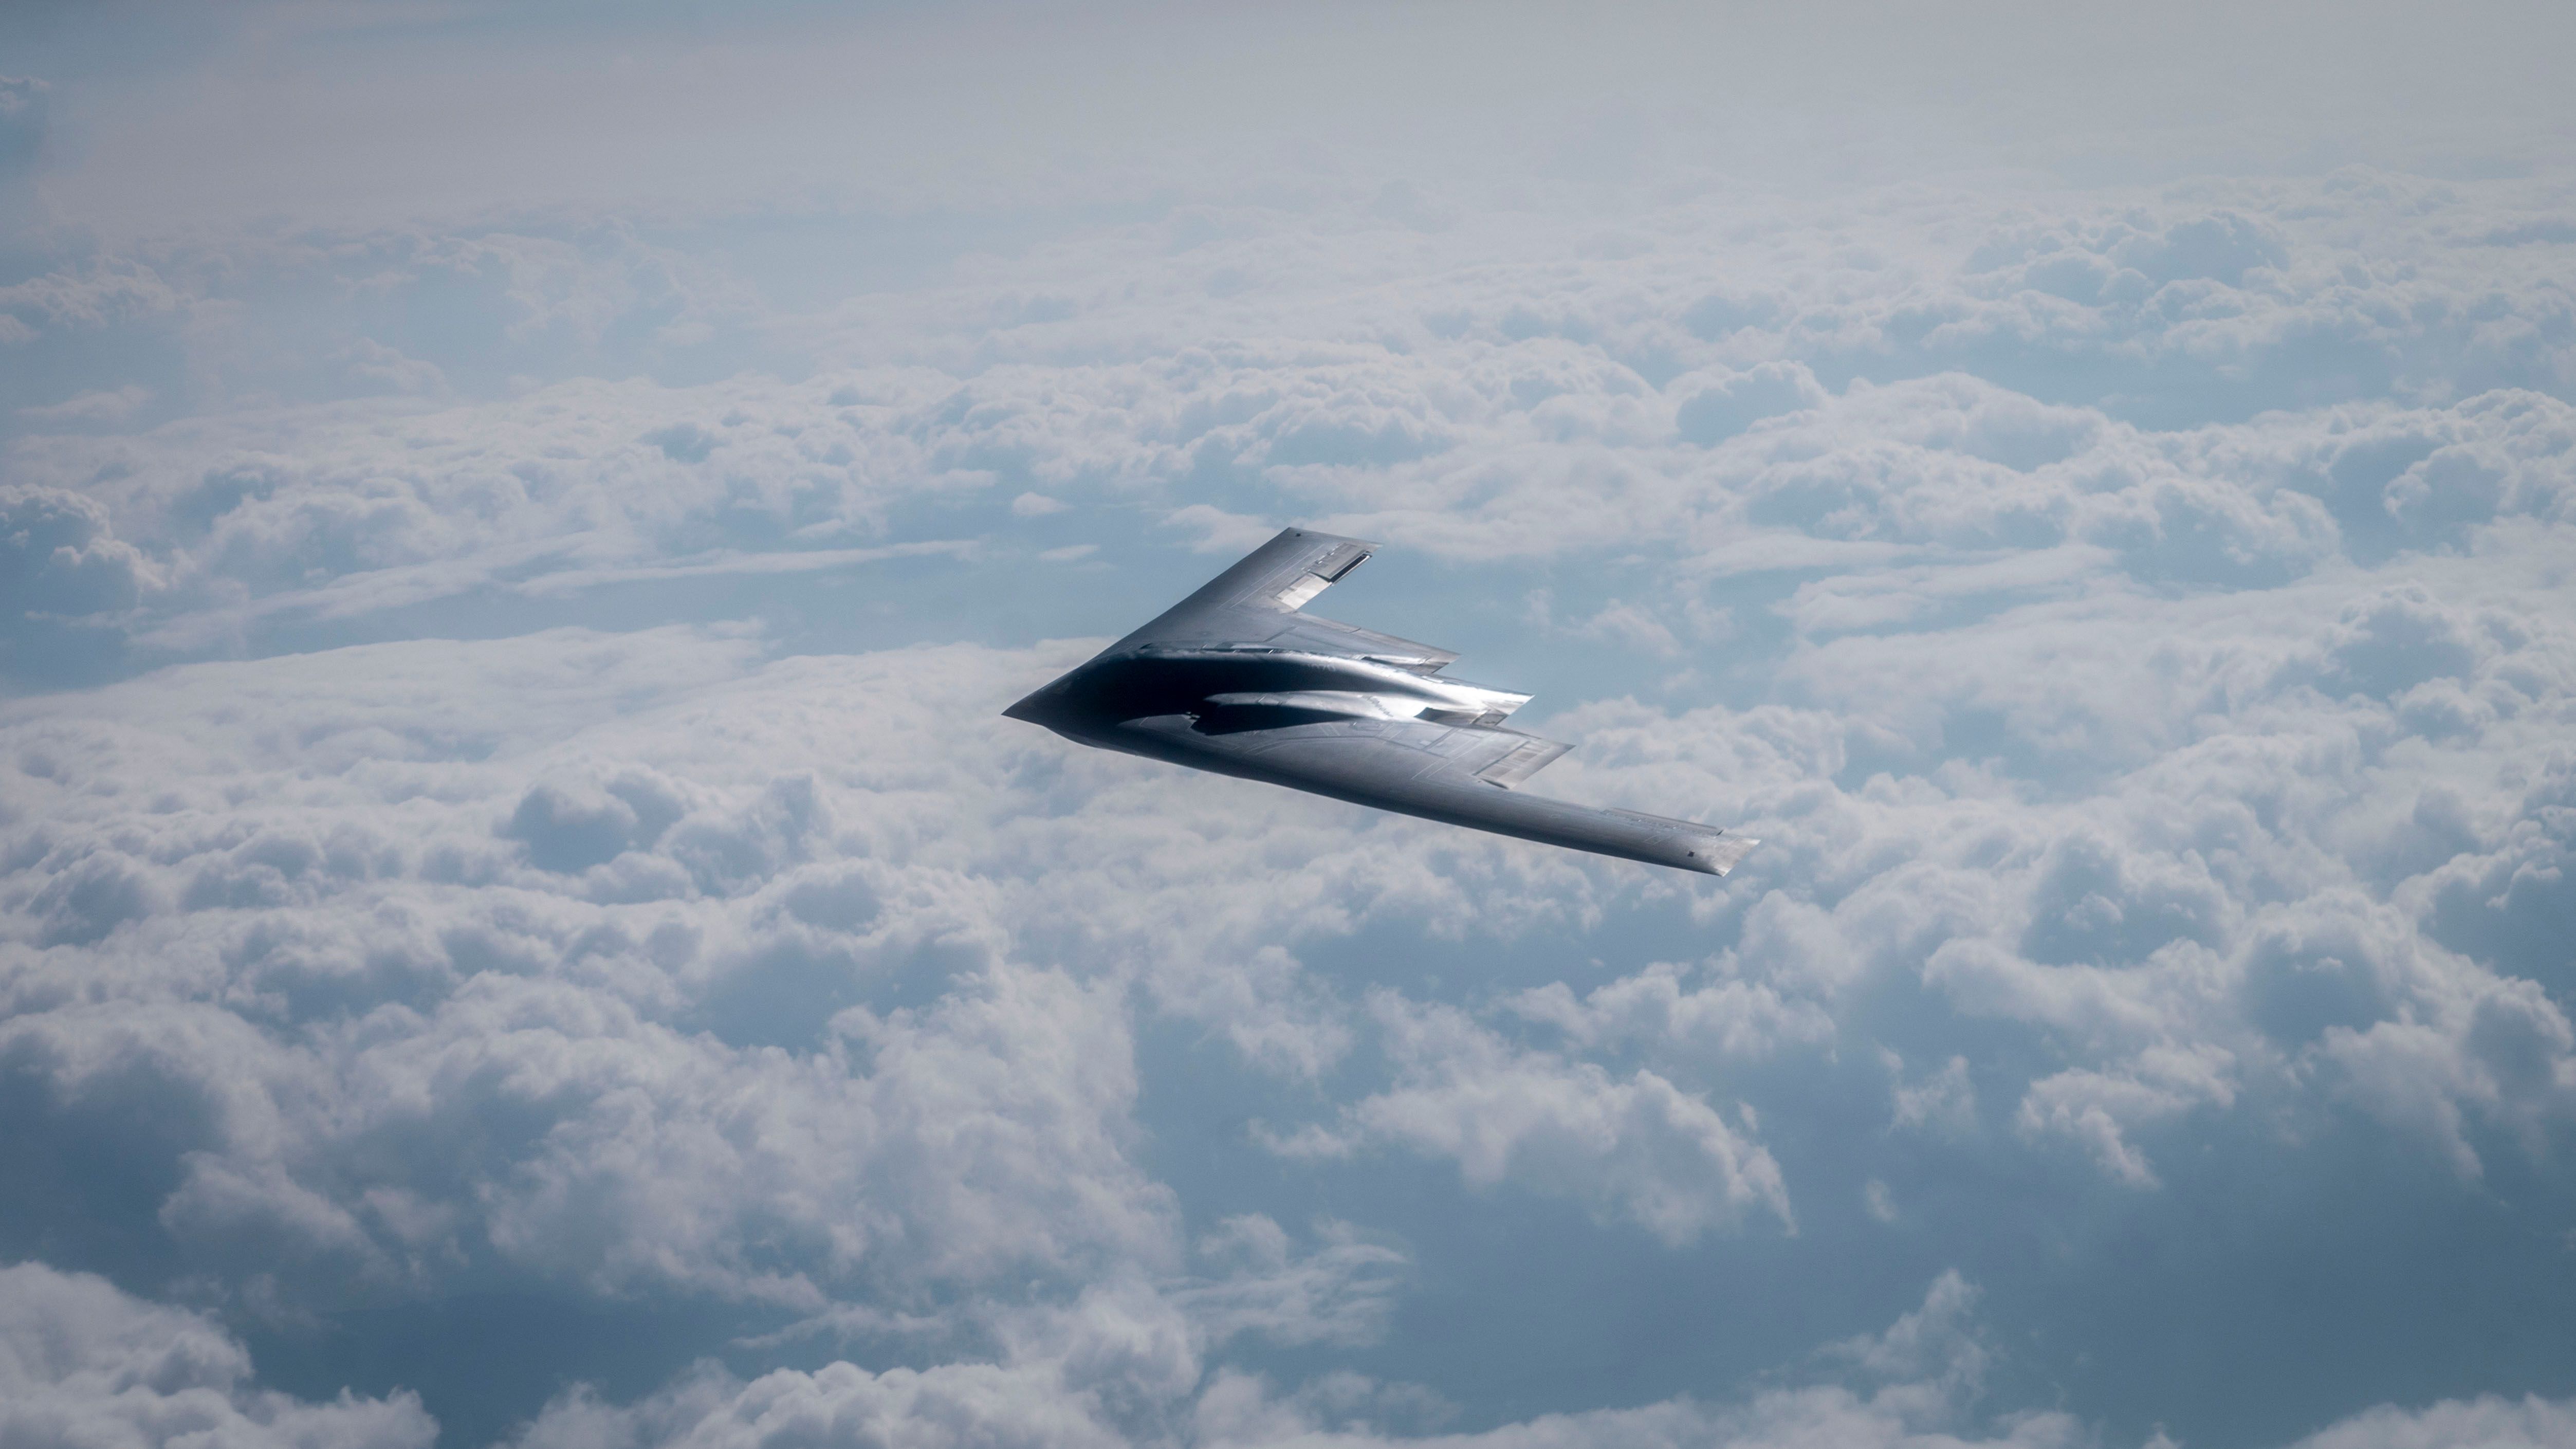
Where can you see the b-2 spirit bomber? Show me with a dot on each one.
(1236, 678)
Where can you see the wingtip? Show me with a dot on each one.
(1728, 852)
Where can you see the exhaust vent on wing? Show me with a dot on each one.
(1528, 758)
(1320, 575)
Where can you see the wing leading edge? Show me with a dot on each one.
(1237, 679)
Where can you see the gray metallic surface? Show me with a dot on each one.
(1236, 680)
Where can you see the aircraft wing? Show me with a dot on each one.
(1327, 636)
(1261, 602)
(1461, 774)
(1277, 578)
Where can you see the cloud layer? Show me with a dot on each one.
(520, 916)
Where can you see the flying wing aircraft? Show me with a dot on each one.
(1236, 678)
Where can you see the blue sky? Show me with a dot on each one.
(522, 924)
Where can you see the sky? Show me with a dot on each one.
(521, 924)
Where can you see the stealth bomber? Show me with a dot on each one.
(1239, 679)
